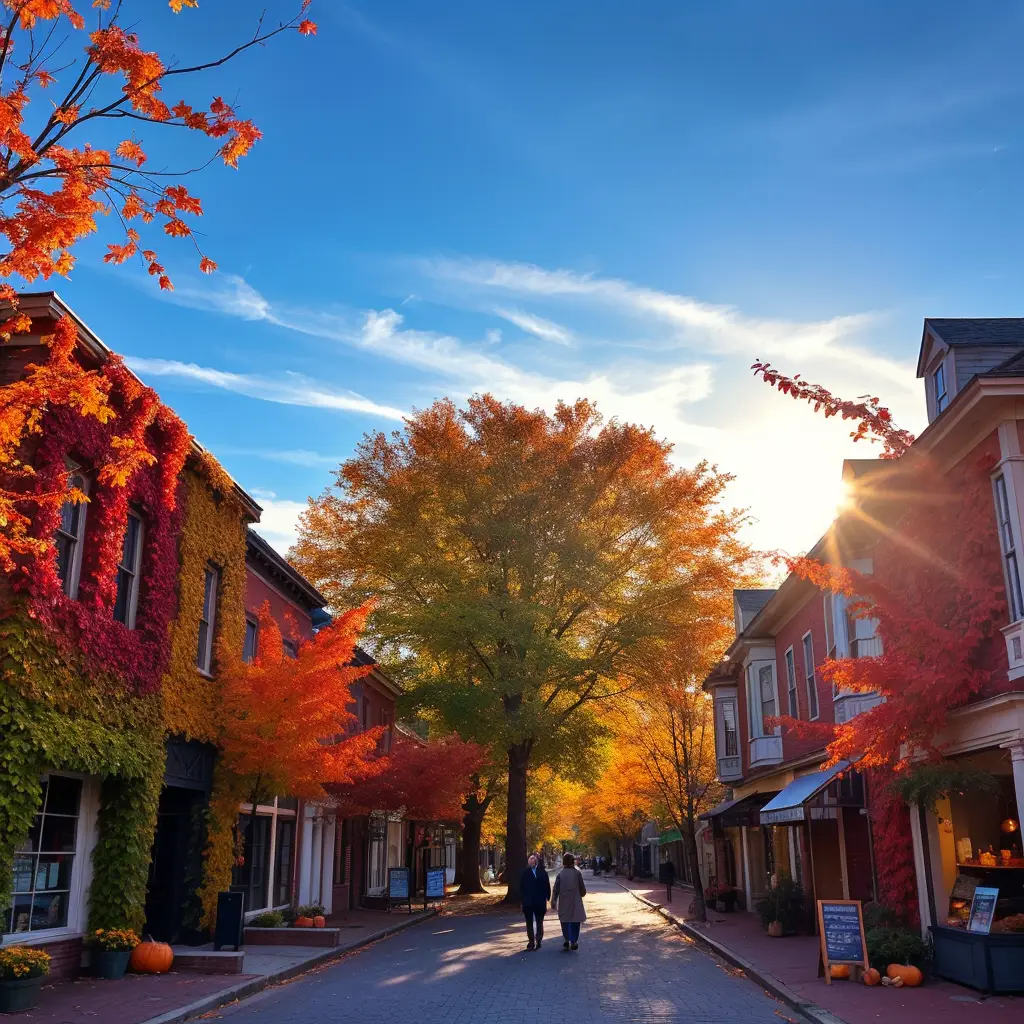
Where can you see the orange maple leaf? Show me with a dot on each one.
(307, 27)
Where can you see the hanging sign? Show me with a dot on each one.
(398, 887)
(983, 910)
(841, 932)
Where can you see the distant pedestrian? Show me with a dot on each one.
(669, 870)
(534, 893)
(567, 896)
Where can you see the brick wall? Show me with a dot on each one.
(65, 958)
(294, 621)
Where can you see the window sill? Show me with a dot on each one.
(41, 936)
(204, 673)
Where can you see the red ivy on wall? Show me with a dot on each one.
(144, 449)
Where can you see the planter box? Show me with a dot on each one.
(989, 963)
(319, 937)
(17, 994)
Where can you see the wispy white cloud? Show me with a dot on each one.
(279, 521)
(290, 456)
(291, 389)
(546, 330)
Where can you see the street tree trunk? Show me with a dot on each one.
(469, 861)
(515, 826)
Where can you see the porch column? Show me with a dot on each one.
(923, 901)
(844, 874)
(327, 865)
(1017, 760)
(315, 867)
(746, 869)
(306, 863)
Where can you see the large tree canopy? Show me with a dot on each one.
(524, 567)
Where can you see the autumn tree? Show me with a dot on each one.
(618, 803)
(669, 750)
(288, 725)
(72, 150)
(526, 568)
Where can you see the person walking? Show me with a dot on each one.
(567, 896)
(534, 893)
(670, 878)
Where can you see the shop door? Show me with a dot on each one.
(175, 869)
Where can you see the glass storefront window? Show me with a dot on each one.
(43, 865)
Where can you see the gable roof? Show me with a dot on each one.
(961, 331)
(748, 604)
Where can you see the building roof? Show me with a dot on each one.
(1007, 330)
(750, 602)
(1012, 367)
(282, 572)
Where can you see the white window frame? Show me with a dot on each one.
(1002, 496)
(133, 570)
(276, 814)
(723, 732)
(754, 704)
(204, 651)
(76, 479)
(810, 677)
(941, 397)
(791, 686)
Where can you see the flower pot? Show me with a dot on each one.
(110, 965)
(775, 929)
(17, 994)
(721, 906)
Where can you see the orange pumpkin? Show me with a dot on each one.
(872, 977)
(150, 957)
(303, 922)
(909, 975)
(840, 970)
(319, 921)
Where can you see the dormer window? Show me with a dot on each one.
(941, 394)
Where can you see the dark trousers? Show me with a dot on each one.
(533, 914)
(571, 931)
(668, 891)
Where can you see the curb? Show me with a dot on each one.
(767, 981)
(249, 988)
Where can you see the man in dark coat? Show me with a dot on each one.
(534, 893)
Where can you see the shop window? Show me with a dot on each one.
(1009, 547)
(284, 860)
(128, 571)
(207, 620)
(71, 538)
(251, 644)
(250, 877)
(44, 864)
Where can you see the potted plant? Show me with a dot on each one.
(22, 970)
(723, 896)
(782, 907)
(307, 913)
(111, 950)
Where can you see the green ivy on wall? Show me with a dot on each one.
(55, 715)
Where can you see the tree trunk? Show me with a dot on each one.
(469, 859)
(515, 826)
(700, 909)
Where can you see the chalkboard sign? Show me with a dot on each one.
(841, 931)
(398, 887)
(435, 883)
(230, 914)
(983, 910)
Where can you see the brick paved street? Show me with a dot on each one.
(631, 967)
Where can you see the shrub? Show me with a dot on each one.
(785, 903)
(309, 910)
(894, 945)
(268, 919)
(18, 962)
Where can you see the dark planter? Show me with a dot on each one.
(989, 963)
(110, 965)
(17, 994)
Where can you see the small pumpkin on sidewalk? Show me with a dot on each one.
(319, 921)
(303, 922)
(150, 957)
(905, 974)
(872, 977)
(841, 971)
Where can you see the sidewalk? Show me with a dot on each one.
(788, 969)
(178, 996)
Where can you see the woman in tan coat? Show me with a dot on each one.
(567, 897)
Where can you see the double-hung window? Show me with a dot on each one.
(207, 620)
(941, 392)
(291, 648)
(812, 684)
(762, 699)
(251, 645)
(1008, 545)
(71, 538)
(730, 732)
(128, 572)
(794, 704)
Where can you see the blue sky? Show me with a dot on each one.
(625, 202)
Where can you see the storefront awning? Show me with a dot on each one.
(791, 804)
(738, 813)
(673, 835)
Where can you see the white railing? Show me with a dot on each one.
(730, 769)
(849, 705)
(765, 750)
(1014, 634)
(866, 647)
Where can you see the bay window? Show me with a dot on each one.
(730, 730)
(1009, 548)
(762, 699)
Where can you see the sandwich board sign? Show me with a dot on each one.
(841, 933)
(398, 887)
